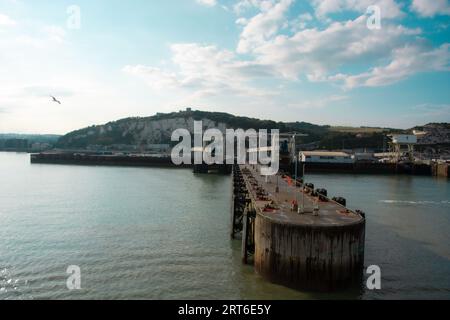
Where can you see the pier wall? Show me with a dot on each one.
(104, 160)
(368, 168)
(310, 258)
(155, 161)
(441, 170)
(300, 251)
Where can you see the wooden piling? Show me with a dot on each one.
(233, 205)
(245, 237)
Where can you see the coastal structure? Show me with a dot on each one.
(103, 159)
(325, 157)
(441, 169)
(402, 147)
(286, 164)
(294, 235)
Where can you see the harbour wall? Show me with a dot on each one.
(165, 161)
(302, 251)
(104, 160)
(368, 168)
(307, 257)
(441, 170)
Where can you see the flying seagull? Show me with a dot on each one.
(55, 100)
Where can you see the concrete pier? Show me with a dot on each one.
(321, 249)
(217, 168)
(73, 158)
(441, 170)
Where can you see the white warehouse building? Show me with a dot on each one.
(325, 157)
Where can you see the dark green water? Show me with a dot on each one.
(140, 233)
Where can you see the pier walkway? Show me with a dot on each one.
(263, 193)
(319, 248)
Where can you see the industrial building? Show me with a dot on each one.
(402, 146)
(325, 157)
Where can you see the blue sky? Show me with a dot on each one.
(286, 60)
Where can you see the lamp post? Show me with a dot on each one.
(301, 209)
(295, 179)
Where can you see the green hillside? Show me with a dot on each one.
(141, 131)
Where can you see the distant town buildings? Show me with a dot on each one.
(14, 144)
(433, 134)
(27, 142)
(40, 146)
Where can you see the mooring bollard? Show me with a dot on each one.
(340, 200)
(294, 206)
(316, 208)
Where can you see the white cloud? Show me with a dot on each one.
(203, 70)
(389, 8)
(300, 22)
(209, 3)
(154, 77)
(263, 26)
(316, 53)
(406, 61)
(241, 21)
(6, 21)
(431, 8)
(277, 48)
(243, 5)
(54, 33)
(42, 38)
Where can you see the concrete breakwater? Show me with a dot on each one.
(123, 160)
(441, 170)
(369, 168)
(85, 158)
(295, 236)
(103, 159)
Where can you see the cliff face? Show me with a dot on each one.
(137, 133)
(141, 132)
(133, 131)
